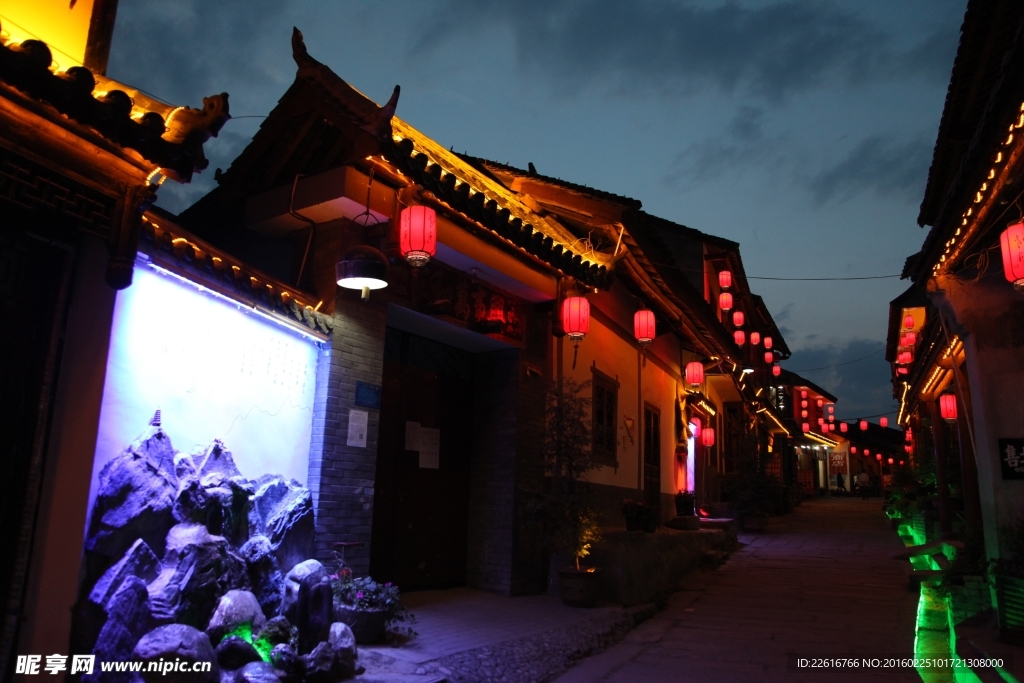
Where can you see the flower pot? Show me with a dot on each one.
(367, 625)
(754, 522)
(579, 588)
(1010, 596)
(684, 507)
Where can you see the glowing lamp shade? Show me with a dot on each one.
(905, 358)
(767, 342)
(776, 370)
(803, 393)
(417, 235)
(890, 461)
(867, 452)
(910, 338)
(576, 317)
(363, 268)
(1011, 243)
(821, 402)
(740, 337)
(902, 371)
(947, 407)
(878, 456)
(694, 374)
(863, 425)
(831, 418)
(803, 413)
(738, 318)
(843, 427)
(908, 321)
(884, 421)
(707, 437)
(643, 326)
(769, 357)
(805, 427)
(725, 301)
(803, 404)
(755, 338)
(725, 279)
(853, 450)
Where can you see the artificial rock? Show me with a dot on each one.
(264, 575)
(127, 621)
(283, 512)
(236, 608)
(257, 672)
(235, 652)
(181, 642)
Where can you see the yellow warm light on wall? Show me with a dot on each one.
(821, 439)
(62, 25)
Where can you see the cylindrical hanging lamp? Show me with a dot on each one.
(418, 234)
(363, 268)
(947, 407)
(643, 326)
(738, 318)
(725, 279)
(740, 337)
(1011, 243)
(707, 436)
(576, 317)
(725, 301)
(863, 425)
(694, 373)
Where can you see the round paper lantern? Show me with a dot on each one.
(905, 358)
(853, 450)
(643, 326)
(576, 317)
(831, 408)
(725, 301)
(890, 461)
(707, 437)
(776, 370)
(843, 427)
(805, 427)
(947, 407)
(863, 425)
(910, 338)
(908, 321)
(738, 318)
(821, 421)
(831, 418)
(1011, 243)
(694, 373)
(755, 338)
(725, 279)
(767, 342)
(821, 402)
(883, 421)
(740, 337)
(803, 413)
(417, 235)
(878, 456)
(769, 357)
(803, 404)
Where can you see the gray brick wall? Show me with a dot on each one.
(340, 476)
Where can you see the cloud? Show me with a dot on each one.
(743, 145)
(862, 387)
(885, 164)
(771, 50)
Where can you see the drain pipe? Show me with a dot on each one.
(310, 222)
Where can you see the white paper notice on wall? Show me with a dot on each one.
(412, 436)
(430, 448)
(357, 422)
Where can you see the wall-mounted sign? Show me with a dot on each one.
(837, 462)
(1011, 458)
(357, 424)
(367, 395)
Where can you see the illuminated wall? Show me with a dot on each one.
(217, 370)
(61, 24)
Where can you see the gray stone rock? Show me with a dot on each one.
(305, 573)
(184, 466)
(314, 614)
(234, 652)
(278, 631)
(264, 575)
(236, 608)
(128, 620)
(219, 503)
(283, 512)
(216, 459)
(320, 665)
(197, 569)
(343, 644)
(257, 672)
(182, 643)
(287, 664)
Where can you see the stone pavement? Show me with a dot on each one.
(818, 582)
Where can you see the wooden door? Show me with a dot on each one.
(652, 459)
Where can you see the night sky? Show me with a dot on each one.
(802, 130)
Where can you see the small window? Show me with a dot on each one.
(604, 409)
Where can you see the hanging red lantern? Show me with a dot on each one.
(905, 357)
(755, 338)
(947, 407)
(767, 342)
(725, 279)
(769, 357)
(878, 456)
(803, 393)
(890, 461)
(725, 301)
(740, 337)
(863, 425)
(909, 435)
(883, 421)
(831, 427)
(843, 427)
(805, 427)
(902, 371)
(694, 373)
(821, 402)
(901, 463)
(576, 317)
(831, 418)
(831, 408)
(910, 338)
(853, 450)
(707, 437)
(803, 413)
(417, 235)
(1011, 243)
(776, 370)
(643, 326)
(738, 318)
(908, 321)
(803, 404)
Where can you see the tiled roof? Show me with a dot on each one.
(170, 137)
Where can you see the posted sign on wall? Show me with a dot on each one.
(1011, 458)
(837, 462)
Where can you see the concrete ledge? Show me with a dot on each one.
(727, 525)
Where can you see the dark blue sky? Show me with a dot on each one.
(803, 130)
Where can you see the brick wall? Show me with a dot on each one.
(340, 476)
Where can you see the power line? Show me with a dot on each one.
(821, 279)
(836, 365)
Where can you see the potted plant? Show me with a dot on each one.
(639, 517)
(565, 513)
(684, 503)
(370, 609)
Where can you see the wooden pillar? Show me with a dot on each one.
(968, 462)
(941, 482)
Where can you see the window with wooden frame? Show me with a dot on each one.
(604, 409)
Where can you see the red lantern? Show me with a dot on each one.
(831, 408)
(694, 373)
(843, 427)
(769, 357)
(909, 435)
(902, 371)
(1011, 243)
(901, 463)
(576, 317)
(755, 338)
(908, 321)
(905, 358)
(803, 393)
(890, 461)
(725, 279)
(821, 402)
(803, 413)
(805, 427)
(910, 338)
(947, 406)
(707, 437)
(643, 326)
(831, 418)
(883, 421)
(767, 342)
(853, 449)
(878, 456)
(831, 427)
(738, 318)
(725, 301)
(776, 370)
(803, 404)
(418, 234)
(863, 425)
(740, 337)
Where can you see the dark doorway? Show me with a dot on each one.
(652, 459)
(421, 513)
